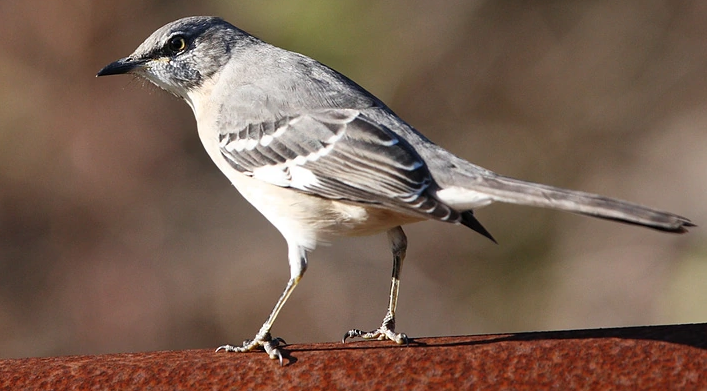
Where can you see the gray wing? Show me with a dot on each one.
(337, 154)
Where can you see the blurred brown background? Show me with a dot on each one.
(118, 234)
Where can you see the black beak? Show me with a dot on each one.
(124, 65)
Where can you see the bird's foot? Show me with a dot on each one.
(385, 332)
(261, 341)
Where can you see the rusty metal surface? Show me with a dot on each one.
(652, 357)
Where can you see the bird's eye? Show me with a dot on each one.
(176, 44)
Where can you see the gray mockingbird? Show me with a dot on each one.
(321, 157)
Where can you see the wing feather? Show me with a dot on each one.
(336, 154)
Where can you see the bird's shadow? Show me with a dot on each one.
(693, 335)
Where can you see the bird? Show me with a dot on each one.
(321, 157)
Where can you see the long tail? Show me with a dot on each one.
(514, 191)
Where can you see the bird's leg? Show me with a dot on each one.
(398, 245)
(298, 265)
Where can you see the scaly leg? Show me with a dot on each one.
(263, 339)
(398, 245)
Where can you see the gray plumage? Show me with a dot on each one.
(319, 156)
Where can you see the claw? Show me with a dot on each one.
(280, 341)
(266, 342)
(382, 333)
(226, 348)
(353, 333)
(272, 350)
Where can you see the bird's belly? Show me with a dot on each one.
(310, 220)
(352, 219)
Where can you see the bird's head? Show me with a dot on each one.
(180, 56)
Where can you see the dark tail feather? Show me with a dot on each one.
(470, 221)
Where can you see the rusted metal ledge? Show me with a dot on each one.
(652, 357)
